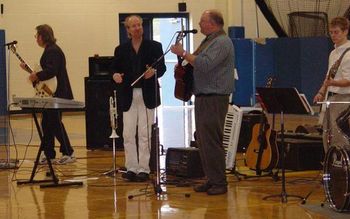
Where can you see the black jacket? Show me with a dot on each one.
(149, 52)
(53, 63)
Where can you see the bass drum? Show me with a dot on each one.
(336, 178)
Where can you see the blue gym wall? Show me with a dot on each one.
(3, 90)
(294, 62)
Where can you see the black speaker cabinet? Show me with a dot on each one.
(98, 126)
(302, 154)
(183, 162)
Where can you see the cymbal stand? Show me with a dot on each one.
(113, 116)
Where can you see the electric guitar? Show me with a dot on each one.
(42, 88)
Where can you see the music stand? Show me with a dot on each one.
(283, 101)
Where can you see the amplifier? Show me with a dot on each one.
(183, 162)
(302, 154)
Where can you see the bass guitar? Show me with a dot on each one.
(42, 88)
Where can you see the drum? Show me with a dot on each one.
(343, 122)
(336, 178)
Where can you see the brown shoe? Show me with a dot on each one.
(217, 190)
(202, 188)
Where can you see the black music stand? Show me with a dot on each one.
(283, 101)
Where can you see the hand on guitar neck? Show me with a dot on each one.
(42, 88)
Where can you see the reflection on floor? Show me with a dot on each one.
(111, 197)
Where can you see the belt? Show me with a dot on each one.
(210, 95)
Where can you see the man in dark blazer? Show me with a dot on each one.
(53, 65)
(138, 102)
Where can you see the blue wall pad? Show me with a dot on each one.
(294, 62)
(235, 32)
(244, 65)
(3, 90)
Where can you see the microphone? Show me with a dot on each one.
(194, 31)
(11, 43)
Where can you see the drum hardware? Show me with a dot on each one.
(343, 122)
(336, 181)
(336, 164)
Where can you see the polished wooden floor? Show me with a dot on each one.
(102, 196)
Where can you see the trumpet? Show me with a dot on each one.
(113, 114)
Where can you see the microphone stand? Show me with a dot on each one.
(155, 129)
(114, 135)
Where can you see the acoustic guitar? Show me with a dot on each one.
(262, 151)
(183, 81)
(42, 88)
(183, 77)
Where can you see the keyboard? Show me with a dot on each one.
(47, 103)
(232, 128)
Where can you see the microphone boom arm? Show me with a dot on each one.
(179, 37)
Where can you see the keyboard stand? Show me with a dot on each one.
(54, 181)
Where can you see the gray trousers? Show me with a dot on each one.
(337, 138)
(210, 112)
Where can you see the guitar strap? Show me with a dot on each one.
(204, 44)
(333, 70)
(331, 74)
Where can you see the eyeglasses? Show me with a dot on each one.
(36, 36)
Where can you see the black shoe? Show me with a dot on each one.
(130, 176)
(217, 190)
(202, 188)
(142, 177)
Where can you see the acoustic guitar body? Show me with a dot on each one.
(254, 146)
(184, 82)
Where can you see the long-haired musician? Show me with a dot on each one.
(53, 64)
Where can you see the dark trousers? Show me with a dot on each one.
(210, 112)
(53, 127)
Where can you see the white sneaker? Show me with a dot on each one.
(66, 159)
(43, 160)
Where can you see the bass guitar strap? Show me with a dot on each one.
(330, 75)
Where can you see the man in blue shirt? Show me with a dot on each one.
(213, 74)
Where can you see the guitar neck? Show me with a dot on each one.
(25, 64)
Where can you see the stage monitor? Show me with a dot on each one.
(99, 66)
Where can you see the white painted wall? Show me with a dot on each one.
(87, 27)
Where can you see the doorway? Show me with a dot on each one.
(175, 117)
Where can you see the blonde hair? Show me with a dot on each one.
(127, 20)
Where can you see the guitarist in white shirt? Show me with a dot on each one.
(336, 87)
(53, 64)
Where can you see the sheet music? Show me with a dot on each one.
(306, 104)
